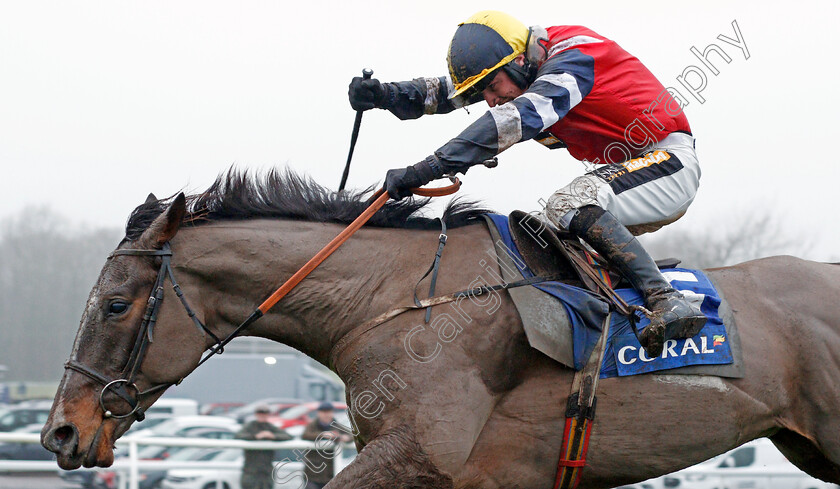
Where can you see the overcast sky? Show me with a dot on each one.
(102, 102)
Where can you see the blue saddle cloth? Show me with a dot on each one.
(624, 355)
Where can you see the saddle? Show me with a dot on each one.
(551, 252)
(562, 322)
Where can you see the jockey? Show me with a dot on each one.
(565, 87)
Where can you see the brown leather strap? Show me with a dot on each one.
(438, 192)
(355, 333)
(379, 200)
(580, 415)
(608, 292)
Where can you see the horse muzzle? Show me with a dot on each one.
(77, 444)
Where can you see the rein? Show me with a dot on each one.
(125, 386)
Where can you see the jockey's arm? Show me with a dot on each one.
(561, 83)
(423, 96)
(408, 99)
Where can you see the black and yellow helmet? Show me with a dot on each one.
(485, 42)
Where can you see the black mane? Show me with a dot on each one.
(237, 195)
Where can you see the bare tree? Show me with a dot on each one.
(47, 267)
(741, 238)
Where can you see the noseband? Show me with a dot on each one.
(124, 386)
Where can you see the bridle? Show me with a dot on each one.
(125, 386)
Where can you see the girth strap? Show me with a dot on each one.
(580, 414)
(356, 333)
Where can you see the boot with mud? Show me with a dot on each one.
(673, 316)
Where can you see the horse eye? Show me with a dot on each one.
(117, 307)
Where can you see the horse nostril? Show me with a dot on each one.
(63, 434)
(62, 439)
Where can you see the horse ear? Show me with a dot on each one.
(151, 199)
(166, 225)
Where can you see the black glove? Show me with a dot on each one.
(398, 182)
(366, 94)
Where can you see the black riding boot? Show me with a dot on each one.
(673, 316)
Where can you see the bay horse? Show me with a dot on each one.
(464, 403)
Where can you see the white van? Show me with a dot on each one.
(754, 465)
(174, 407)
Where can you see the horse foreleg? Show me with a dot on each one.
(394, 459)
(807, 455)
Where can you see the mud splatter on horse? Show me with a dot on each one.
(487, 411)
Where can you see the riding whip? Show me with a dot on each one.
(366, 74)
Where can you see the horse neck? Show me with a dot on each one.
(236, 265)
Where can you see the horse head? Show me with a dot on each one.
(121, 361)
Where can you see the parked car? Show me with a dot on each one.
(82, 477)
(151, 479)
(245, 413)
(178, 425)
(341, 418)
(182, 426)
(149, 422)
(160, 452)
(757, 464)
(24, 414)
(174, 406)
(207, 478)
(302, 414)
(287, 466)
(105, 480)
(25, 451)
(219, 408)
